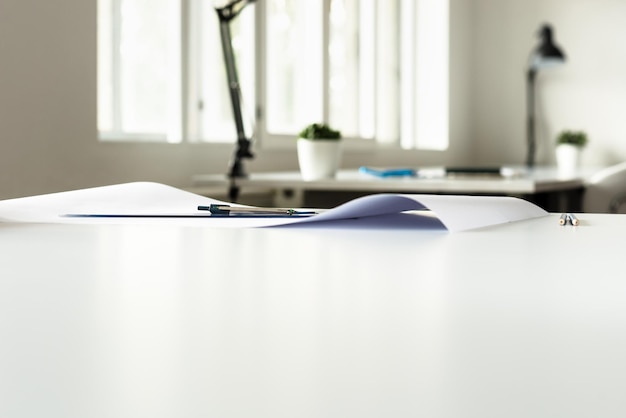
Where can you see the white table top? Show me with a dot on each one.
(521, 320)
(538, 180)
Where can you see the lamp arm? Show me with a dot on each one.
(234, 87)
(242, 151)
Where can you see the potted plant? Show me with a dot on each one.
(568, 147)
(319, 151)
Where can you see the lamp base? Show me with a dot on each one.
(237, 168)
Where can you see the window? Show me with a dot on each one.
(375, 69)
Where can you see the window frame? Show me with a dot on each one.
(262, 137)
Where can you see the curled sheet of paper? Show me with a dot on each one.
(154, 203)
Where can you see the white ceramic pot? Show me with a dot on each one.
(318, 159)
(567, 159)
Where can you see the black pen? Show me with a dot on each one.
(227, 210)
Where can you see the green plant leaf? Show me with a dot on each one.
(319, 131)
(577, 138)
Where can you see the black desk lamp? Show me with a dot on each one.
(546, 55)
(227, 11)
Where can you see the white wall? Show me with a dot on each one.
(588, 93)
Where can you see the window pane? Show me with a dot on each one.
(433, 74)
(425, 74)
(139, 67)
(294, 45)
(351, 56)
(148, 53)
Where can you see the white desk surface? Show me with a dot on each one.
(538, 180)
(522, 320)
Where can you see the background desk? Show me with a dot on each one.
(520, 320)
(543, 186)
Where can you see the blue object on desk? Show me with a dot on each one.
(438, 172)
(389, 172)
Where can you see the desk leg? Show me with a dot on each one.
(559, 201)
(288, 198)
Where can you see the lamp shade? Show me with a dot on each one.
(546, 54)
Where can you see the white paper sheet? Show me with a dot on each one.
(456, 213)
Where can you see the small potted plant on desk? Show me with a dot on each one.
(319, 152)
(568, 148)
